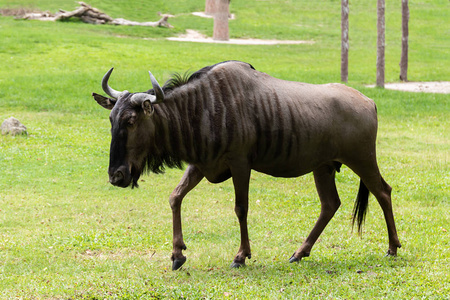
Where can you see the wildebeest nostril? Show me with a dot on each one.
(117, 177)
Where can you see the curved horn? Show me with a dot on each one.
(106, 88)
(158, 90)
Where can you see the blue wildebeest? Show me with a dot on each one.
(227, 119)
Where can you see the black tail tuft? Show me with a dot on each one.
(361, 205)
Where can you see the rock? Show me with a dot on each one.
(13, 126)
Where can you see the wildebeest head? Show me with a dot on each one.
(132, 130)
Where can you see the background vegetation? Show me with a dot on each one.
(66, 233)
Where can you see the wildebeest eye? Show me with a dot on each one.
(132, 120)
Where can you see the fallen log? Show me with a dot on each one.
(92, 15)
(161, 23)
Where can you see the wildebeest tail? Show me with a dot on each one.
(361, 205)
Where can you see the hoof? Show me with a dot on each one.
(297, 259)
(391, 253)
(177, 263)
(236, 265)
(294, 259)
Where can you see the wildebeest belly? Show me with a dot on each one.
(295, 164)
(287, 169)
(215, 173)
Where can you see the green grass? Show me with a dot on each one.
(66, 233)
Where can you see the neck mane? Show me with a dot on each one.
(173, 121)
(188, 123)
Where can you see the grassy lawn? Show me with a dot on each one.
(66, 233)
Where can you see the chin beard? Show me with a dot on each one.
(157, 164)
(153, 164)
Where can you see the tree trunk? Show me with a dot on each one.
(380, 42)
(405, 37)
(344, 40)
(221, 32)
(210, 7)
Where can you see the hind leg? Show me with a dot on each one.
(329, 200)
(383, 194)
(371, 177)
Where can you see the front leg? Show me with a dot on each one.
(191, 177)
(241, 178)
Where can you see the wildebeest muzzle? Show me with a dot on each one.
(120, 177)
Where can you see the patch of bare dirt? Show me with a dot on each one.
(440, 87)
(197, 37)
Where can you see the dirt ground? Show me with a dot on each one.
(197, 37)
(441, 87)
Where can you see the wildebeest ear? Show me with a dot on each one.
(107, 103)
(148, 108)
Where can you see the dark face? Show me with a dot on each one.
(132, 131)
(131, 135)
